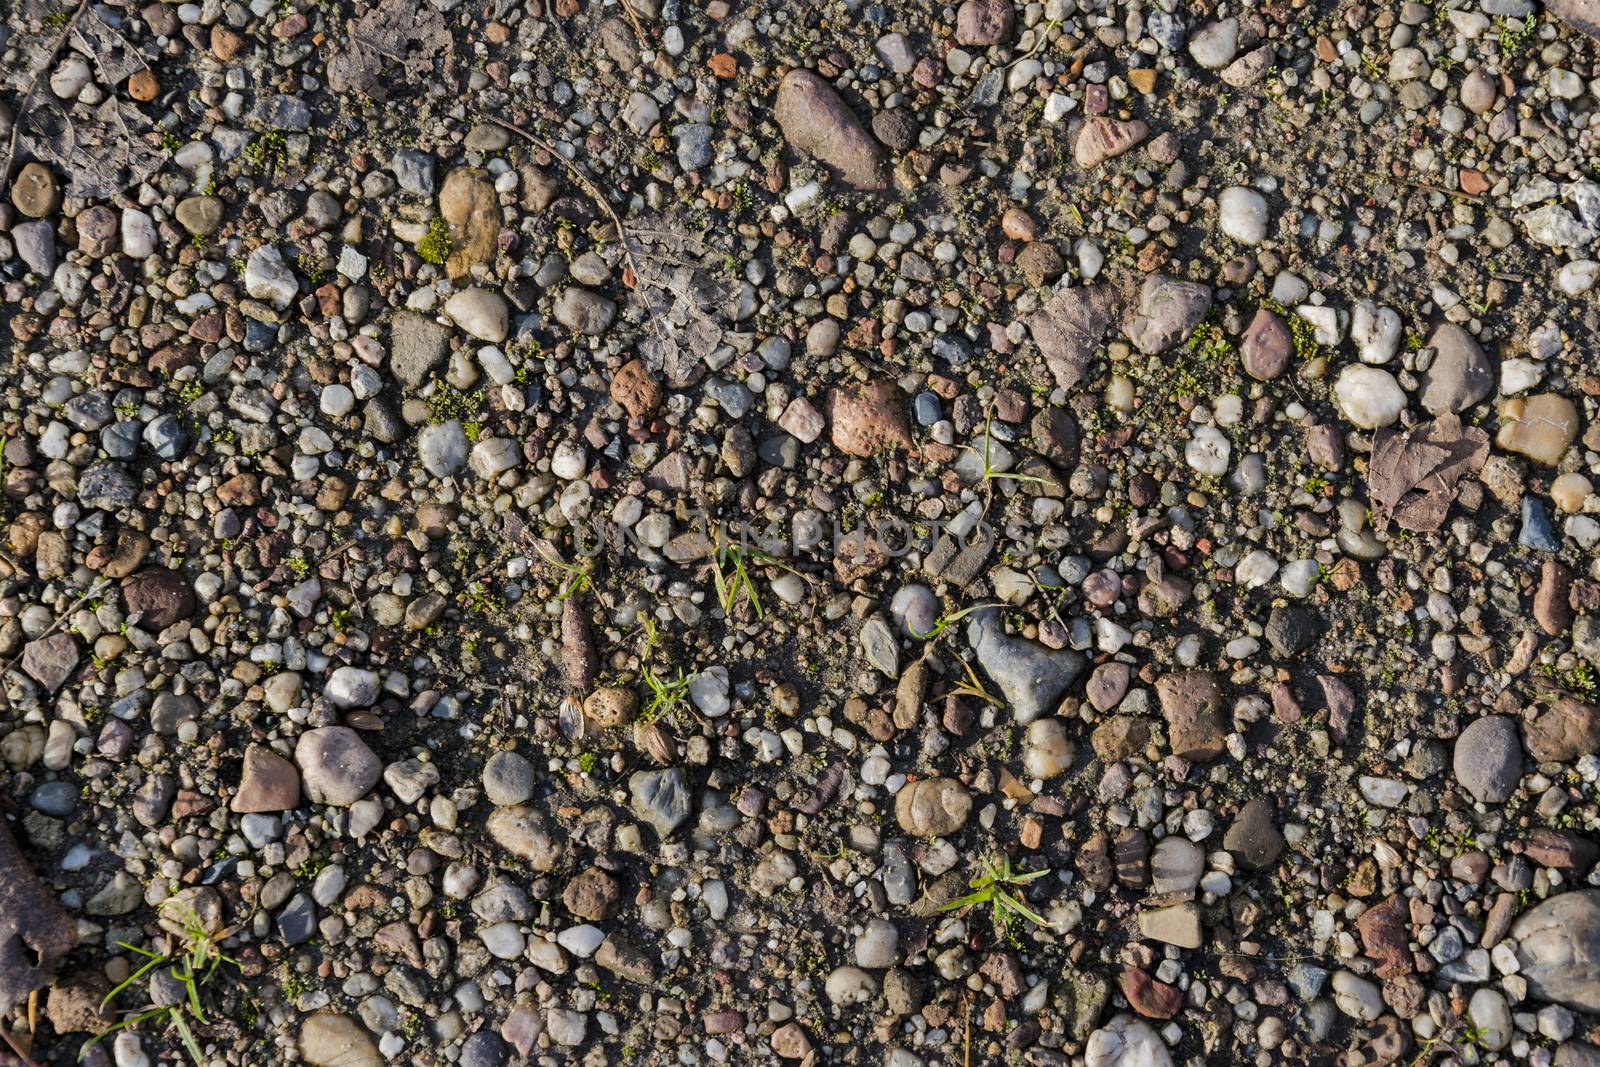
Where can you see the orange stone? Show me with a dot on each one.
(142, 86)
(1143, 79)
(723, 65)
(225, 44)
(1473, 183)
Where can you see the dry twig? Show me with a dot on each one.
(17, 1047)
(578, 175)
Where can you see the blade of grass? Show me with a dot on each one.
(972, 687)
(189, 1042)
(1011, 903)
(123, 1025)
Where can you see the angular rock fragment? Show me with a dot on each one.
(868, 418)
(1069, 326)
(1166, 313)
(1558, 948)
(1030, 676)
(1191, 701)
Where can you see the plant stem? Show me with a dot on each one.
(578, 175)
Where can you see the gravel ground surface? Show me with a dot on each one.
(834, 532)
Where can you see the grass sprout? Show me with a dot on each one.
(949, 619)
(666, 693)
(973, 687)
(994, 887)
(579, 577)
(730, 573)
(194, 967)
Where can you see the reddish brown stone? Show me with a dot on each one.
(868, 418)
(160, 596)
(1102, 139)
(1119, 737)
(592, 895)
(268, 782)
(142, 85)
(1551, 607)
(1191, 701)
(1385, 930)
(1561, 849)
(1265, 347)
(635, 389)
(1150, 997)
(1565, 731)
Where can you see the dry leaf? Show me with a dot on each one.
(1413, 474)
(411, 33)
(34, 930)
(100, 154)
(687, 298)
(101, 150)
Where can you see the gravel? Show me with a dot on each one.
(1051, 533)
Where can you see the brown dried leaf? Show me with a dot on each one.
(34, 930)
(1413, 474)
(101, 154)
(409, 32)
(1069, 326)
(103, 150)
(107, 49)
(685, 298)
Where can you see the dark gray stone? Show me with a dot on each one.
(1031, 677)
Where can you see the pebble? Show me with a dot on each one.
(817, 122)
(330, 1040)
(1208, 452)
(1460, 374)
(481, 313)
(1242, 212)
(1048, 752)
(35, 191)
(1357, 997)
(1376, 331)
(932, 807)
(336, 766)
(877, 947)
(138, 234)
(1030, 676)
(1540, 427)
(1368, 396)
(584, 310)
(1126, 1042)
(660, 798)
(508, 779)
(266, 276)
(1215, 44)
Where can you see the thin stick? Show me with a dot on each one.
(966, 1050)
(22, 1053)
(583, 179)
(33, 84)
(627, 8)
(94, 590)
